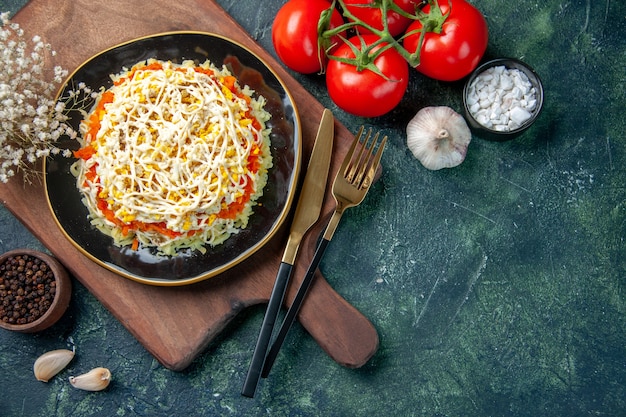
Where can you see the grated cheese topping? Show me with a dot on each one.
(173, 156)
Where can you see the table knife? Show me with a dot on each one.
(307, 213)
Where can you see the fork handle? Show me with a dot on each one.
(273, 308)
(295, 307)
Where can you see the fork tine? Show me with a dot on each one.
(358, 160)
(355, 161)
(346, 164)
(373, 166)
(364, 160)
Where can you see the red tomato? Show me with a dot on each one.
(294, 34)
(456, 51)
(366, 93)
(369, 11)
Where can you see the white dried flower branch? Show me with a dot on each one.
(31, 121)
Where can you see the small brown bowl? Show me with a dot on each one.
(490, 133)
(60, 301)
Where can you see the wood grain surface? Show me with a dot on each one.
(176, 324)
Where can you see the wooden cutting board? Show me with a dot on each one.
(176, 324)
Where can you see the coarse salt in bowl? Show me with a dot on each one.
(502, 98)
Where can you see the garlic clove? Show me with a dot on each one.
(438, 136)
(51, 363)
(95, 380)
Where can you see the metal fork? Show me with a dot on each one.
(351, 184)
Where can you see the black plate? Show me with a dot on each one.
(145, 265)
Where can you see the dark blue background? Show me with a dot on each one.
(498, 287)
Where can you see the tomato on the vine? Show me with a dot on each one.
(370, 12)
(454, 48)
(295, 36)
(362, 91)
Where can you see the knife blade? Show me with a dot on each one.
(307, 213)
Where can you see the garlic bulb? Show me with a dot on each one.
(51, 363)
(438, 137)
(95, 380)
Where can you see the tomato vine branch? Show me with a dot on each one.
(431, 21)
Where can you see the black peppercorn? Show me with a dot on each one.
(27, 288)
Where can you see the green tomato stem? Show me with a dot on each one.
(367, 54)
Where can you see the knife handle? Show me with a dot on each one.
(267, 328)
(295, 307)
